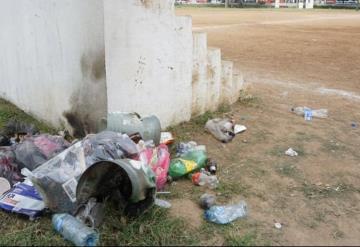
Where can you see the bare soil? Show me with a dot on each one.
(289, 58)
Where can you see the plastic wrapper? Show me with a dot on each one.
(57, 179)
(36, 150)
(159, 160)
(8, 167)
(221, 129)
(226, 214)
(24, 199)
(187, 163)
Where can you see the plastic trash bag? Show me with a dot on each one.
(8, 168)
(57, 179)
(159, 160)
(187, 163)
(36, 150)
(221, 129)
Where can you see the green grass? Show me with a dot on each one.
(9, 111)
(155, 227)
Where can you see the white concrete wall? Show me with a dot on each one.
(309, 4)
(148, 59)
(199, 77)
(52, 59)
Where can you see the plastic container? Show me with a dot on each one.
(203, 179)
(226, 214)
(189, 162)
(74, 230)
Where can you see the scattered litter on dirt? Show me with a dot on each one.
(308, 113)
(159, 160)
(211, 166)
(226, 214)
(204, 178)
(166, 138)
(187, 163)
(74, 230)
(221, 129)
(207, 201)
(278, 225)
(162, 203)
(291, 152)
(239, 129)
(186, 147)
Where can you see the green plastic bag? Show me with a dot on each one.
(187, 163)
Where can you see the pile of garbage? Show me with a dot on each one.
(126, 164)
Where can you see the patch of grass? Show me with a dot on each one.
(333, 146)
(155, 227)
(288, 170)
(20, 231)
(248, 100)
(314, 191)
(230, 188)
(279, 151)
(248, 239)
(9, 111)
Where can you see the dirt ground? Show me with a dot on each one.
(288, 58)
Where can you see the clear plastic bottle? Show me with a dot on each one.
(320, 113)
(74, 230)
(226, 214)
(203, 179)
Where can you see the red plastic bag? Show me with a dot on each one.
(159, 160)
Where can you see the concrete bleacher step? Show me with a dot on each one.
(215, 81)
(199, 85)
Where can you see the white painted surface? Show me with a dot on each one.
(309, 4)
(277, 4)
(213, 79)
(48, 52)
(148, 59)
(199, 77)
(226, 92)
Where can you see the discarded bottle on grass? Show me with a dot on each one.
(302, 111)
(226, 214)
(74, 230)
(189, 162)
(203, 179)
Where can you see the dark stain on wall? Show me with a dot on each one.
(89, 102)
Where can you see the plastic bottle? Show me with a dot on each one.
(203, 179)
(187, 163)
(320, 113)
(74, 230)
(226, 214)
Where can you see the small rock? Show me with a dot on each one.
(318, 184)
(244, 141)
